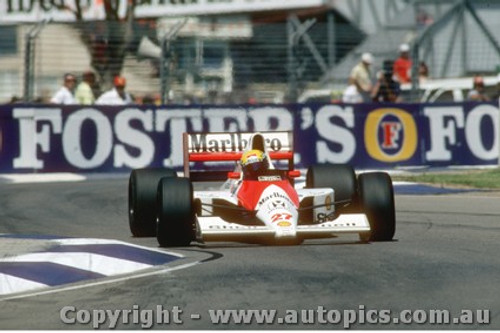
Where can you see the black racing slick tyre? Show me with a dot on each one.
(376, 196)
(175, 209)
(340, 177)
(142, 188)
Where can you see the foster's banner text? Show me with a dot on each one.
(117, 139)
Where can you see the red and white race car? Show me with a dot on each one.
(266, 207)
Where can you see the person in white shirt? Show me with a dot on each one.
(65, 94)
(352, 95)
(117, 95)
(360, 76)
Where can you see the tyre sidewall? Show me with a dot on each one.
(143, 184)
(376, 195)
(175, 211)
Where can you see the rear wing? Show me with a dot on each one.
(227, 147)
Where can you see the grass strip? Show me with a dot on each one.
(483, 179)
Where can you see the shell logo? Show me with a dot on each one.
(284, 224)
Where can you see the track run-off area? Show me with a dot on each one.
(71, 240)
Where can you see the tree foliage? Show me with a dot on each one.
(108, 40)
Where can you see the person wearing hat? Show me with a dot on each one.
(402, 65)
(84, 93)
(477, 93)
(117, 95)
(361, 78)
(65, 94)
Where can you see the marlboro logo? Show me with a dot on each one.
(233, 142)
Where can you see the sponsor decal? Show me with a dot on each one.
(322, 217)
(269, 178)
(276, 204)
(274, 195)
(217, 143)
(281, 216)
(284, 224)
(390, 135)
(233, 142)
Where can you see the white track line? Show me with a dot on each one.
(42, 178)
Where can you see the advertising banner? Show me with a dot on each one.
(17, 11)
(117, 139)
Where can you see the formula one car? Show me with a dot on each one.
(258, 201)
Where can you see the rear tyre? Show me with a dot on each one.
(175, 209)
(142, 187)
(376, 197)
(340, 177)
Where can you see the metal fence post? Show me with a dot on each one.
(28, 69)
(165, 59)
(29, 66)
(415, 83)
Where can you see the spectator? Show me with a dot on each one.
(360, 76)
(117, 95)
(477, 93)
(402, 65)
(15, 100)
(148, 100)
(386, 89)
(351, 95)
(65, 94)
(423, 72)
(84, 93)
(423, 18)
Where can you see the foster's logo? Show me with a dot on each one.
(391, 135)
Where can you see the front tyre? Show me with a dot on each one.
(175, 210)
(376, 196)
(340, 177)
(142, 187)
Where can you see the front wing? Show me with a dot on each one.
(213, 228)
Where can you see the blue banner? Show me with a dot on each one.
(48, 138)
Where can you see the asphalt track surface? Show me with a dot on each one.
(445, 257)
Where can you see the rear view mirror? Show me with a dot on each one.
(294, 173)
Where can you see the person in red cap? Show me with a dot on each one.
(402, 65)
(117, 95)
(478, 93)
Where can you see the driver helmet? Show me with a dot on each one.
(254, 162)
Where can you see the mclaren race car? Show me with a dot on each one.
(259, 200)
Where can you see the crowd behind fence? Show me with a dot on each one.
(255, 68)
